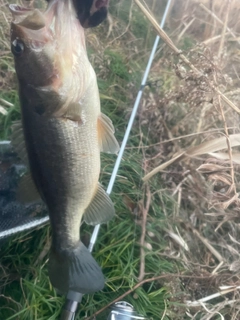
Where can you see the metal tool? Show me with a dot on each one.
(123, 310)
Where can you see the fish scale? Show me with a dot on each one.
(61, 135)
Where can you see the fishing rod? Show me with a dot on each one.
(74, 298)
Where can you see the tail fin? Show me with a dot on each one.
(75, 269)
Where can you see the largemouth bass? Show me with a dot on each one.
(61, 135)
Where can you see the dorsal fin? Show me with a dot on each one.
(18, 141)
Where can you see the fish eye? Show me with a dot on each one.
(17, 47)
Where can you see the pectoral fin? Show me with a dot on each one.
(100, 210)
(56, 107)
(18, 142)
(27, 191)
(107, 140)
(74, 113)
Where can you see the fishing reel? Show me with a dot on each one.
(121, 310)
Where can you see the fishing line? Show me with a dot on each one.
(70, 307)
(73, 298)
(130, 122)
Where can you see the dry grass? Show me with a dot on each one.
(188, 101)
(200, 104)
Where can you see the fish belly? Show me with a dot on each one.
(64, 160)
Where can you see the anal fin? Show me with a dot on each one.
(100, 210)
(107, 140)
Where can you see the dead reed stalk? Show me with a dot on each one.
(178, 52)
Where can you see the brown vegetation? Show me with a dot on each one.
(191, 103)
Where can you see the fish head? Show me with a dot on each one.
(33, 46)
(49, 51)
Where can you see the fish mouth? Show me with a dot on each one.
(18, 10)
(31, 19)
(54, 35)
(29, 25)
